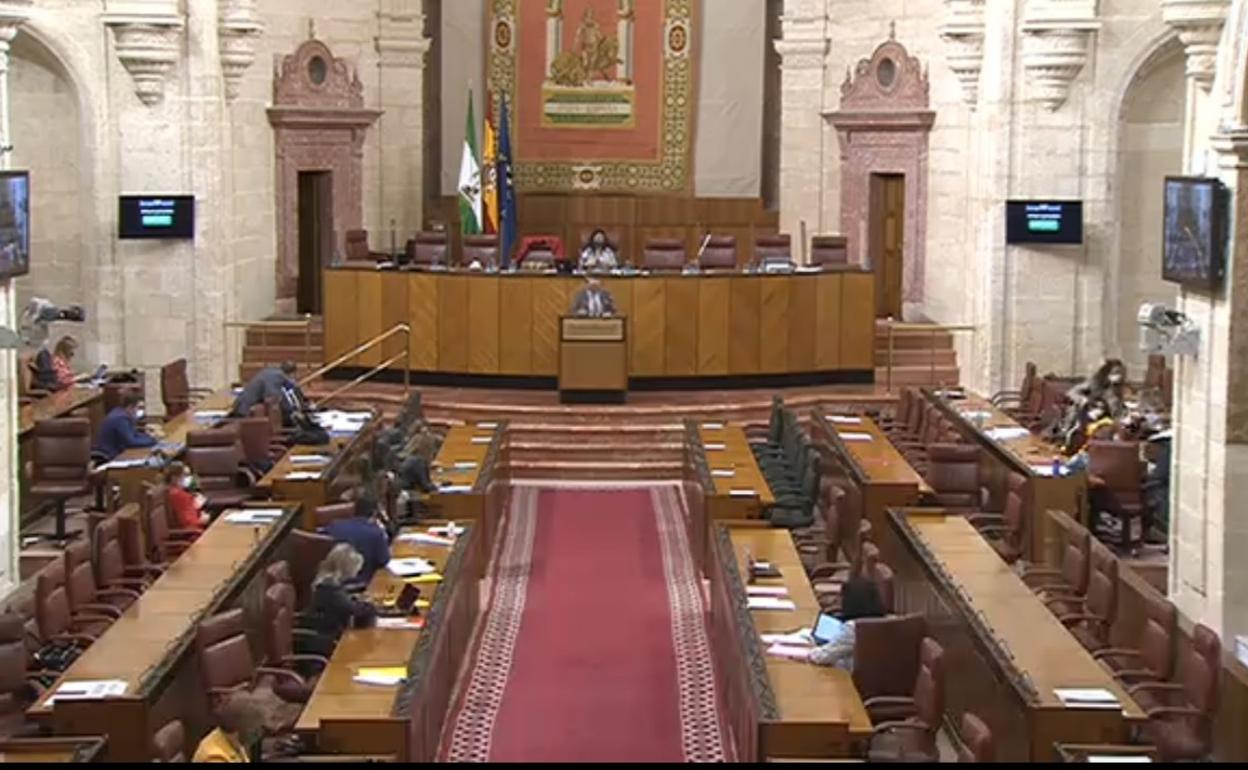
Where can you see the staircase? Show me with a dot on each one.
(919, 357)
(265, 346)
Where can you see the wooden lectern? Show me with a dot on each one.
(593, 360)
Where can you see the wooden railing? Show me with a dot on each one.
(360, 349)
(933, 330)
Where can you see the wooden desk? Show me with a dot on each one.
(879, 470)
(344, 717)
(312, 493)
(1009, 651)
(1027, 455)
(89, 401)
(680, 326)
(466, 462)
(777, 707)
(49, 750)
(727, 449)
(147, 644)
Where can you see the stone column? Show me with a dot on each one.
(401, 47)
(12, 14)
(803, 49)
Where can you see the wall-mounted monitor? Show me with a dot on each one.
(1044, 222)
(1196, 231)
(157, 217)
(14, 223)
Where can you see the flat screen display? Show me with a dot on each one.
(1195, 231)
(1055, 222)
(14, 223)
(157, 216)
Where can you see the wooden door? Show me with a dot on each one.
(887, 215)
(316, 236)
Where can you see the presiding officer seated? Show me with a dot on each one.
(593, 301)
(598, 253)
(120, 430)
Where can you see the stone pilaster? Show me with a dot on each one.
(1057, 42)
(803, 49)
(963, 33)
(1199, 24)
(238, 32)
(401, 47)
(147, 37)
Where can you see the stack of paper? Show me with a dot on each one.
(386, 676)
(464, 465)
(769, 603)
(723, 473)
(93, 689)
(713, 425)
(303, 475)
(855, 436)
(742, 493)
(336, 421)
(793, 652)
(713, 447)
(310, 460)
(1108, 758)
(424, 538)
(838, 419)
(799, 637)
(487, 425)
(1045, 470)
(767, 590)
(482, 439)
(1006, 433)
(117, 465)
(253, 517)
(410, 567)
(450, 529)
(455, 489)
(405, 624)
(1076, 697)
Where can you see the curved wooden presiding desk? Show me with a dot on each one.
(712, 325)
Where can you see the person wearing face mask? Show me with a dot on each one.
(1093, 419)
(120, 430)
(1109, 384)
(598, 254)
(188, 507)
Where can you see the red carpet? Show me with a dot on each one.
(594, 645)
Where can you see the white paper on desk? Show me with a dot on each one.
(310, 460)
(266, 513)
(714, 447)
(482, 439)
(424, 539)
(742, 493)
(1006, 433)
(713, 425)
(797, 638)
(769, 603)
(1107, 758)
(789, 651)
(766, 591)
(455, 489)
(382, 680)
(488, 425)
(120, 465)
(250, 517)
(1044, 470)
(464, 465)
(839, 419)
(303, 476)
(723, 473)
(450, 529)
(1095, 697)
(93, 689)
(975, 414)
(849, 436)
(402, 624)
(410, 567)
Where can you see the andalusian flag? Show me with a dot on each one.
(470, 179)
(489, 175)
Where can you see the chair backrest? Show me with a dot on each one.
(13, 654)
(115, 393)
(1076, 557)
(1030, 378)
(156, 522)
(328, 514)
(108, 553)
(175, 388)
(953, 472)
(1102, 597)
(278, 572)
(428, 248)
(62, 450)
(224, 655)
(720, 253)
(79, 575)
(977, 742)
(829, 250)
(1155, 372)
(773, 248)
(214, 456)
(1157, 637)
(131, 532)
(254, 435)
(882, 576)
(482, 248)
(279, 622)
(307, 551)
(929, 685)
(26, 369)
(1202, 671)
(1015, 512)
(52, 613)
(664, 254)
(1118, 463)
(886, 654)
(356, 246)
(169, 743)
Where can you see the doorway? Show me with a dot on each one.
(886, 241)
(316, 236)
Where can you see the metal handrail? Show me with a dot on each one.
(373, 342)
(933, 329)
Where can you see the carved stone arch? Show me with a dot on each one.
(320, 124)
(884, 124)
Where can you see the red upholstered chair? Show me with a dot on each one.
(720, 253)
(61, 466)
(428, 248)
(280, 634)
(357, 249)
(307, 551)
(1180, 714)
(886, 659)
(260, 448)
(540, 252)
(1116, 477)
(54, 620)
(953, 473)
(328, 514)
(912, 738)
(1070, 581)
(664, 255)
(1007, 531)
(164, 544)
(1152, 659)
(133, 550)
(1091, 621)
(1011, 401)
(109, 555)
(169, 743)
(977, 744)
(773, 248)
(216, 459)
(175, 388)
(226, 663)
(481, 248)
(829, 250)
(19, 686)
(84, 595)
(882, 576)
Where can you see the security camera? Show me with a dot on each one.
(1167, 332)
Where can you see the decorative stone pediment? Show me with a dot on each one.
(1199, 24)
(1057, 41)
(312, 77)
(148, 41)
(238, 31)
(890, 79)
(963, 33)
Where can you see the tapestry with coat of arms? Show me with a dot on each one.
(602, 92)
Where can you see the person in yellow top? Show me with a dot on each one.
(241, 726)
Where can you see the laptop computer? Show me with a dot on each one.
(826, 628)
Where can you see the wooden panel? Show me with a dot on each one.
(483, 320)
(422, 314)
(341, 324)
(681, 341)
(393, 313)
(744, 326)
(773, 330)
(621, 289)
(454, 322)
(515, 326)
(858, 322)
(648, 328)
(803, 304)
(827, 328)
(550, 303)
(368, 313)
(714, 297)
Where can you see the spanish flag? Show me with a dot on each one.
(489, 176)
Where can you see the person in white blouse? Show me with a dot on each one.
(598, 254)
(859, 599)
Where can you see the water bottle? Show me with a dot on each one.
(1057, 467)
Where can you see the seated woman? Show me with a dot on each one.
(598, 254)
(333, 608)
(187, 505)
(55, 371)
(859, 599)
(1109, 384)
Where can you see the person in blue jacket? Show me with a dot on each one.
(120, 430)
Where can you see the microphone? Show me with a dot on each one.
(706, 241)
